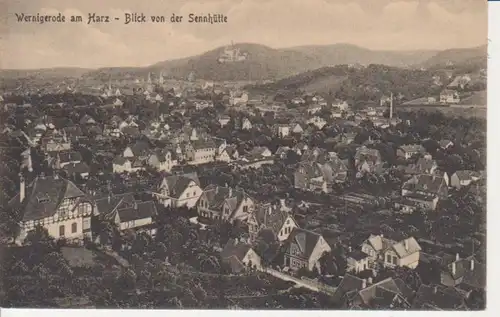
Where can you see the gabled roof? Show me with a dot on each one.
(406, 247)
(426, 183)
(233, 248)
(44, 195)
(357, 255)
(139, 148)
(305, 239)
(467, 175)
(107, 205)
(379, 243)
(385, 291)
(271, 217)
(438, 297)
(177, 184)
(139, 210)
(475, 277)
(217, 196)
(349, 283)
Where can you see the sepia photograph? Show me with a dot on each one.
(244, 155)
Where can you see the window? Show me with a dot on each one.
(387, 258)
(73, 227)
(187, 195)
(245, 209)
(61, 231)
(194, 193)
(394, 260)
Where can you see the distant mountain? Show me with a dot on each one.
(50, 73)
(337, 54)
(459, 57)
(264, 63)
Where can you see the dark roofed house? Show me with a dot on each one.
(139, 217)
(386, 294)
(56, 204)
(303, 249)
(438, 297)
(463, 178)
(357, 261)
(179, 190)
(273, 218)
(225, 204)
(349, 284)
(408, 151)
(80, 168)
(464, 271)
(138, 149)
(424, 165)
(427, 185)
(240, 256)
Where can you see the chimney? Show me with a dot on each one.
(472, 264)
(230, 192)
(406, 244)
(435, 289)
(391, 108)
(282, 202)
(457, 257)
(453, 268)
(22, 188)
(109, 198)
(135, 205)
(370, 280)
(363, 286)
(381, 235)
(350, 249)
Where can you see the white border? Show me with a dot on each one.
(493, 263)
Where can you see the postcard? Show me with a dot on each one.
(280, 154)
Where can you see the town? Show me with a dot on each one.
(155, 192)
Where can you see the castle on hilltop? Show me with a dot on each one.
(232, 54)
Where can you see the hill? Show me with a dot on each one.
(460, 56)
(337, 54)
(365, 84)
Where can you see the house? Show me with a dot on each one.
(60, 159)
(138, 149)
(237, 98)
(463, 178)
(445, 144)
(391, 253)
(313, 176)
(298, 101)
(303, 249)
(349, 285)
(438, 297)
(55, 144)
(138, 217)
(281, 130)
(367, 159)
(464, 272)
(56, 204)
(240, 256)
(449, 96)
(225, 204)
(282, 152)
(387, 294)
(246, 124)
(317, 121)
(313, 108)
(425, 185)
(408, 151)
(404, 253)
(80, 168)
(260, 151)
(201, 151)
(179, 190)
(409, 204)
(228, 154)
(161, 160)
(130, 165)
(424, 165)
(296, 128)
(224, 120)
(273, 218)
(357, 261)
(341, 105)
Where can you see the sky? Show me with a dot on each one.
(373, 24)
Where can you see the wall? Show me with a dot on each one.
(190, 196)
(410, 261)
(286, 229)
